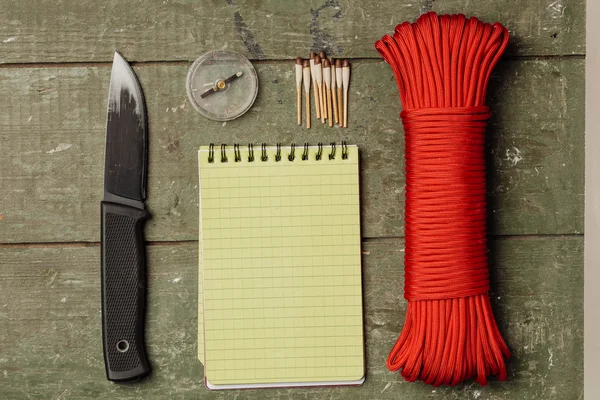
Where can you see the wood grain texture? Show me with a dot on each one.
(52, 132)
(52, 159)
(262, 29)
(50, 340)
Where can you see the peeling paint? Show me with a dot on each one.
(386, 387)
(556, 9)
(52, 274)
(59, 148)
(513, 156)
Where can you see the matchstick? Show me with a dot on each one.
(306, 72)
(313, 72)
(333, 89)
(323, 94)
(339, 82)
(327, 80)
(299, 89)
(319, 72)
(346, 82)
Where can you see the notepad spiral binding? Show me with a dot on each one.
(264, 156)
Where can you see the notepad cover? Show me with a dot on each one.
(280, 269)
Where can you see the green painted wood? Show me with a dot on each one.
(50, 340)
(52, 129)
(262, 29)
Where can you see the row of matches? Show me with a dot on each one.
(330, 81)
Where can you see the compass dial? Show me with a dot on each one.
(222, 85)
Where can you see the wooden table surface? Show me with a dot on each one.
(54, 73)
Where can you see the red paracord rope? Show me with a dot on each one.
(442, 65)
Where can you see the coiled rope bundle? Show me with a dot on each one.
(442, 65)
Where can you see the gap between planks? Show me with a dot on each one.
(80, 64)
(187, 242)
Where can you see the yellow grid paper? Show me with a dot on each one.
(280, 268)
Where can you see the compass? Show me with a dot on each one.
(222, 85)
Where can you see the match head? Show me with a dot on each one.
(322, 55)
(346, 63)
(306, 64)
(332, 61)
(299, 60)
(317, 60)
(326, 64)
(338, 63)
(312, 55)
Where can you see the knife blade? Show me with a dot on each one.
(122, 220)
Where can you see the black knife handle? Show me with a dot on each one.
(123, 292)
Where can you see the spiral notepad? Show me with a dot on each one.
(280, 271)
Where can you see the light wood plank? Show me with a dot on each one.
(50, 340)
(52, 139)
(266, 29)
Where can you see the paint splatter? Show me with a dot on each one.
(247, 37)
(10, 39)
(321, 39)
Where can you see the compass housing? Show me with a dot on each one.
(230, 100)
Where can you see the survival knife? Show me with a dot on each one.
(122, 220)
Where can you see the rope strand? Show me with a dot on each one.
(442, 65)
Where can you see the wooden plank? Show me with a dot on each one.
(52, 139)
(265, 29)
(50, 340)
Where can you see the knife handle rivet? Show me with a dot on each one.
(122, 346)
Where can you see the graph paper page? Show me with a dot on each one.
(280, 270)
